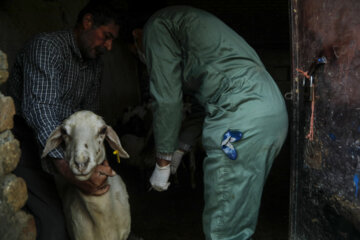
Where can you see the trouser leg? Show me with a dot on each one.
(43, 200)
(232, 198)
(233, 188)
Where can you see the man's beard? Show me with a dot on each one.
(92, 53)
(89, 52)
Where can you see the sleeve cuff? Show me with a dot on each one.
(165, 156)
(184, 146)
(48, 165)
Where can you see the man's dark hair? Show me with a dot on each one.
(136, 15)
(103, 13)
(132, 20)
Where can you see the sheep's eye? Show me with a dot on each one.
(63, 131)
(102, 130)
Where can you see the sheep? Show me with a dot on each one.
(105, 217)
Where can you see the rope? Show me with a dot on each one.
(310, 135)
(305, 74)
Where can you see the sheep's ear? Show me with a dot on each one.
(114, 142)
(54, 140)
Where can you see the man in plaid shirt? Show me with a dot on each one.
(54, 75)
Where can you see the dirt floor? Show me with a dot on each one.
(176, 214)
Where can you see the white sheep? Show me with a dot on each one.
(105, 217)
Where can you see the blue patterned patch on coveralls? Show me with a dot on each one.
(229, 137)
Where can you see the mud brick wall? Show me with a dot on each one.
(15, 223)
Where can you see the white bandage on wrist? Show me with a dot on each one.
(176, 160)
(159, 178)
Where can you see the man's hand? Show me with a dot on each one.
(95, 185)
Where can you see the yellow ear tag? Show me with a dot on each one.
(116, 152)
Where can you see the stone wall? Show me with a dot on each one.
(15, 223)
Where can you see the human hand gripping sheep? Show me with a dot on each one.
(96, 185)
(95, 206)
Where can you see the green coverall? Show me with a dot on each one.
(190, 50)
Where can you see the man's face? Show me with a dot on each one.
(95, 41)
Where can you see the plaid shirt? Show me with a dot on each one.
(50, 80)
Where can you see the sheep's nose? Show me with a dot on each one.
(82, 163)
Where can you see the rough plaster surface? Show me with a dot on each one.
(329, 28)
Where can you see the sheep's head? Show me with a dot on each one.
(83, 135)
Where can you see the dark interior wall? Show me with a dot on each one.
(264, 24)
(327, 204)
(21, 19)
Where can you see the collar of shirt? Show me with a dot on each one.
(74, 47)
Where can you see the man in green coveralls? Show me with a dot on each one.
(190, 51)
